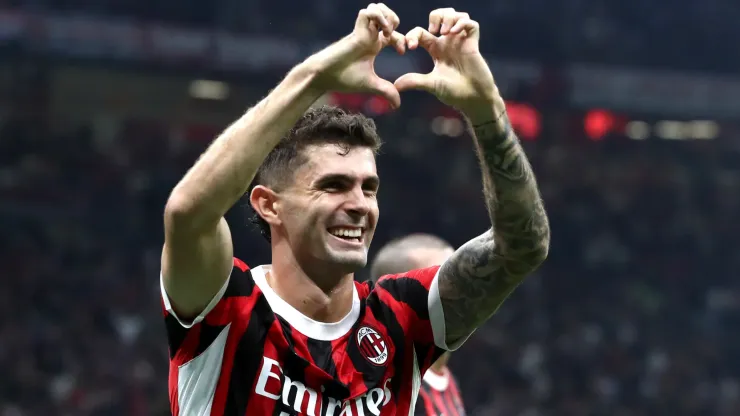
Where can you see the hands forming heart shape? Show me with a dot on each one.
(460, 78)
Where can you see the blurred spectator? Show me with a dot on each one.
(690, 34)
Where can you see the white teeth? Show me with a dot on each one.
(347, 232)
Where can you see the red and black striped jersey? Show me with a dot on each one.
(439, 395)
(251, 353)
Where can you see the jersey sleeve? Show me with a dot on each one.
(417, 294)
(199, 347)
(187, 338)
(239, 265)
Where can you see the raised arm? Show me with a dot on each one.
(197, 253)
(482, 273)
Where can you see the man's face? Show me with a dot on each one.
(330, 210)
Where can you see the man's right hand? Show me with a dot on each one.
(348, 65)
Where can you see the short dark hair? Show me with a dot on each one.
(394, 257)
(320, 125)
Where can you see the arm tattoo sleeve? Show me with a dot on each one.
(483, 272)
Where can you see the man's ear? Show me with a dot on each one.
(264, 202)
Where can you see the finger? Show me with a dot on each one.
(436, 17)
(398, 41)
(450, 19)
(390, 15)
(418, 36)
(415, 81)
(373, 18)
(470, 27)
(368, 19)
(385, 89)
(381, 18)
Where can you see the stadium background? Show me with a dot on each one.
(628, 109)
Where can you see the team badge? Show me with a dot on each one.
(372, 346)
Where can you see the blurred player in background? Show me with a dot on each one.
(300, 336)
(439, 393)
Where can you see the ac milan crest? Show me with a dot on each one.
(372, 345)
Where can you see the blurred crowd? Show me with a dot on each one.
(692, 34)
(633, 313)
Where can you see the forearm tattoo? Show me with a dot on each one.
(483, 272)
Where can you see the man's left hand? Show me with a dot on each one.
(461, 77)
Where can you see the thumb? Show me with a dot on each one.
(415, 81)
(386, 89)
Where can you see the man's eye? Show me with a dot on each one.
(332, 187)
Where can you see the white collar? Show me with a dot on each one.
(321, 331)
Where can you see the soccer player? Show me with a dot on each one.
(299, 336)
(439, 393)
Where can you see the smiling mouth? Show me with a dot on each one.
(348, 234)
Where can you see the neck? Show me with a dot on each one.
(323, 299)
(440, 365)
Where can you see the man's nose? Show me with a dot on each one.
(358, 202)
